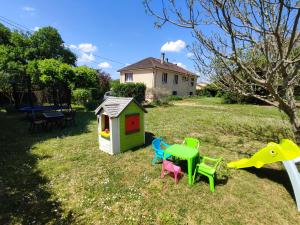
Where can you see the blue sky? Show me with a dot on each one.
(118, 30)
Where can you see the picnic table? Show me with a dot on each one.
(39, 108)
(186, 153)
(53, 117)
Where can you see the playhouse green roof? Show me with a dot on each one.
(114, 106)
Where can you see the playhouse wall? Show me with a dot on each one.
(132, 140)
(104, 143)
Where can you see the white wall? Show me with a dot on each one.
(153, 81)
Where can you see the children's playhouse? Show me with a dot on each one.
(120, 124)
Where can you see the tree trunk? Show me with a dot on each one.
(294, 120)
(295, 126)
(54, 95)
(29, 91)
(15, 95)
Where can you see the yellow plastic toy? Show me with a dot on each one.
(287, 152)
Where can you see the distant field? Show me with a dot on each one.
(61, 176)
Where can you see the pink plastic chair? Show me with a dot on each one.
(171, 168)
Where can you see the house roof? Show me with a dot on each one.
(151, 62)
(114, 106)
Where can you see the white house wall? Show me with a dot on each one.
(183, 87)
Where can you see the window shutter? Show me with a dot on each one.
(132, 123)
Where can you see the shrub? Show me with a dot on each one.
(230, 98)
(81, 96)
(162, 102)
(233, 98)
(173, 98)
(92, 104)
(96, 93)
(136, 90)
(10, 108)
(211, 90)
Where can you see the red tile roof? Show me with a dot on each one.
(153, 63)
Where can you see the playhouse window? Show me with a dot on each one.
(106, 122)
(105, 132)
(132, 123)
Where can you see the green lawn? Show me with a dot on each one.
(61, 177)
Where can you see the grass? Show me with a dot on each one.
(60, 177)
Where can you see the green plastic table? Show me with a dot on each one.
(186, 153)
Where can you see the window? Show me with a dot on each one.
(175, 79)
(191, 93)
(128, 77)
(192, 81)
(185, 78)
(105, 122)
(105, 126)
(164, 78)
(174, 93)
(132, 123)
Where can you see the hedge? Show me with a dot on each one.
(135, 90)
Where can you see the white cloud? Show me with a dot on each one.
(86, 58)
(190, 54)
(28, 9)
(87, 47)
(181, 65)
(173, 46)
(36, 28)
(84, 47)
(73, 46)
(104, 65)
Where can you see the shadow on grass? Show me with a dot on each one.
(279, 176)
(25, 196)
(149, 106)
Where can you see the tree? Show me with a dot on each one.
(85, 77)
(13, 63)
(58, 76)
(4, 34)
(254, 42)
(104, 82)
(47, 43)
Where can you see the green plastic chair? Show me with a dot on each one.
(208, 167)
(191, 142)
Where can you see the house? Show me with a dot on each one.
(161, 77)
(120, 124)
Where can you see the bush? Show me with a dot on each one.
(92, 104)
(96, 93)
(10, 108)
(211, 90)
(82, 96)
(136, 90)
(161, 102)
(173, 98)
(231, 98)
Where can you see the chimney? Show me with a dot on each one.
(162, 58)
(167, 60)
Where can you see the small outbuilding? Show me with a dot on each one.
(120, 124)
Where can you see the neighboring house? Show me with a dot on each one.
(161, 77)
